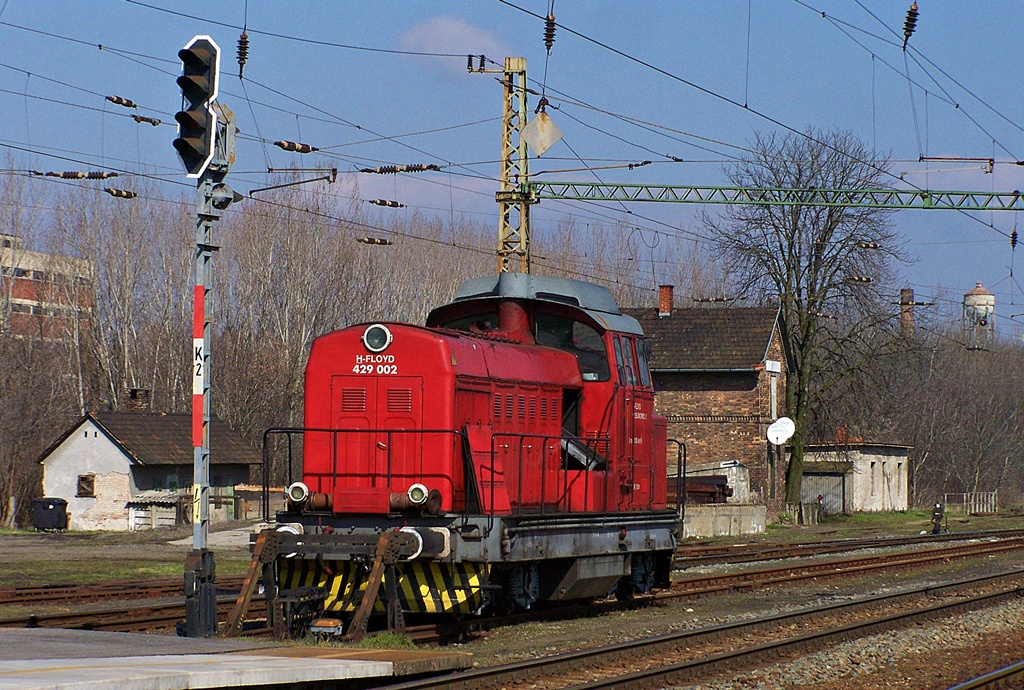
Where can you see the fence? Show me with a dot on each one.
(972, 503)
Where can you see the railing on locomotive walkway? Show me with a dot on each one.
(297, 437)
(585, 451)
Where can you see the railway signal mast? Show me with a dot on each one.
(206, 145)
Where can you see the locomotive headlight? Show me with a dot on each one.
(418, 494)
(297, 493)
(377, 337)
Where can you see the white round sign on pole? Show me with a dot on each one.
(781, 430)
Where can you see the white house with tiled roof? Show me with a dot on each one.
(107, 459)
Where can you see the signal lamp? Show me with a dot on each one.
(297, 493)
(197, 122)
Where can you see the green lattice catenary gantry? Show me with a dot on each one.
(778, 196)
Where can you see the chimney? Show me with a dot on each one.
(137, 400)
(907, 313)
(664, 300)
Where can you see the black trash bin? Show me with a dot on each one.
(49, 514)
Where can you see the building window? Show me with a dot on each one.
(873, 465)
(86, 486)
(158, 484)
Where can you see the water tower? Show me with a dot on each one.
(979, 305)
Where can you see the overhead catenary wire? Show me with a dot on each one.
(301, 39)
(731, 101)
(303, 116)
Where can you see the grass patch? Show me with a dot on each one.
(25, 573)
(386, 640)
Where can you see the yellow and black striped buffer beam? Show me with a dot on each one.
(423, 587)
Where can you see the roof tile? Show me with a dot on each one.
(707, 339)
(166, 439)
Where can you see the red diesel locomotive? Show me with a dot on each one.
(505, 453)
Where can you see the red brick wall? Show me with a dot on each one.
(724, 416)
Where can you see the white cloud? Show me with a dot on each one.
(452, 35)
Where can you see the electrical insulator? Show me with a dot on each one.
(373, 240)
(243, 52)
(1013, 239)
(141, 118)
(469, 63)
(394, 169)
(868, 245)
(482, 60)
(120, 193)
(296, 147)
(549, 32)
(74, 175)
(910, 24)
(860, 279)
(386, 202)
(118, 100)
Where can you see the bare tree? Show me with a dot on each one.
(814, 260)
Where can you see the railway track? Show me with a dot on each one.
(105, 591)
(1011, 676)
(166, 616)
(148, 618)
(710, 585)
(693, 654)
(689, 555)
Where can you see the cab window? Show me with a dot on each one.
(627, 357)
(618, 360)
(645, 369)
(577, 338)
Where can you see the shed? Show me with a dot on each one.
(107, 459)
(833, 481)
(856, 476)
(155, 509)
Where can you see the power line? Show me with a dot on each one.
(300, 39)
(733, 102)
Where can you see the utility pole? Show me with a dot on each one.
(513, 198)
(206, 144)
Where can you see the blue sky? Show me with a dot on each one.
(780, 59)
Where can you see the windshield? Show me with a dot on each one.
(577, 338)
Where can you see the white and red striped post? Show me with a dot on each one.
(200, 595)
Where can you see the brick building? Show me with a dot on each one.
(42, 295)
(720, 379)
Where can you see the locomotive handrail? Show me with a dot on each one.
(547, 443)
(589, 442)
(289, 431)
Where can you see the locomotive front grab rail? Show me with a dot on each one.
(556, 453)
(334, 434)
